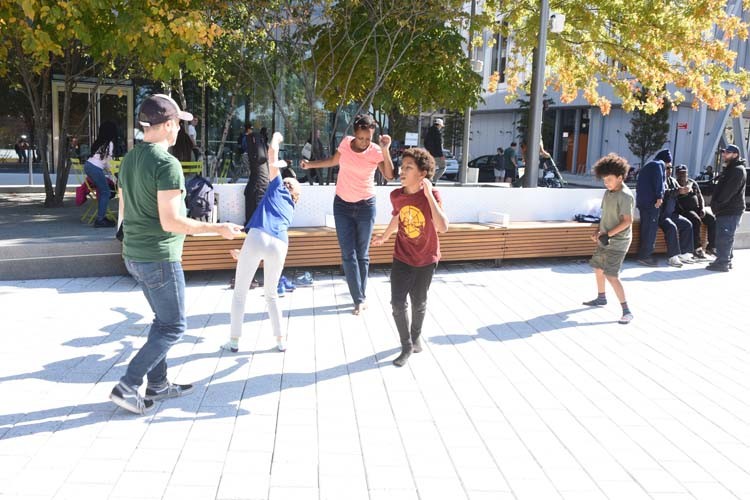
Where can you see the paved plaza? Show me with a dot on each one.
(521, 392)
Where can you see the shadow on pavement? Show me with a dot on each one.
(515, 330)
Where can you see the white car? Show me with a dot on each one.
(451, 166)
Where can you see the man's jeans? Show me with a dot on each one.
(102, 187)
(354, 223)
(726, 225)
(163, 284)
(439, 169)
(649, 225)
(678, 232)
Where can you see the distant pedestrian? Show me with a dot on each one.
(354, 203)
(417, 218)
(433, 143)
(678, 230)
(499, 166)
(510, 162)
(152, 207)
(256, 147)
(690, 204)
(649, 198)
(728, 204)
(316, 153)
(22, 148)
(614, 234)
(97, 167)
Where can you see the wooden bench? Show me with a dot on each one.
(318, 246)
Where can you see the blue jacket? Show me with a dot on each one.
(650, 185)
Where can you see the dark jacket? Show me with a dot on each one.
(671, 191)
(692, 201)
(729, 194)
(650, 185)
(433, 142)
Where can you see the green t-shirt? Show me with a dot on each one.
(146, 169)
(615, 204)
(510, 157)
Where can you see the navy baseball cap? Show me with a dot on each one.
(681, 168)
(160, 108)
(731, 149)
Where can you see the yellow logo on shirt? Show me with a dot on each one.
(412, 220)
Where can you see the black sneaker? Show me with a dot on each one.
(105, 223)
(129, 399)
(720, 268)
(170, 391)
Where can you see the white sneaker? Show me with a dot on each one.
(674, 261)
(686, 258)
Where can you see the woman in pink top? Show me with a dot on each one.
(354, 203)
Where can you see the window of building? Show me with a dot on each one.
(500, 56)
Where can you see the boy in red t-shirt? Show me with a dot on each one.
(417, 216)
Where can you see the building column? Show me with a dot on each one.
(576, 134)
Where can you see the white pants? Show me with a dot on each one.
(272, 251)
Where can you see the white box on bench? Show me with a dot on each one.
(495, 218)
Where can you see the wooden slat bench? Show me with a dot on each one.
(318, 246)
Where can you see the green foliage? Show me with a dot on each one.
(648, 132)
(681, 43)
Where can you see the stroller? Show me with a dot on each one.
(549, 176)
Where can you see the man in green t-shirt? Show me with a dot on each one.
(152, 209)
(510, 162)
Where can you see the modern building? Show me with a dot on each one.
(580, 134)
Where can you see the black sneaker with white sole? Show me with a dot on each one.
(130, 399)
(169, 391)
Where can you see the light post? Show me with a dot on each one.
(463, 172)
(534, 134)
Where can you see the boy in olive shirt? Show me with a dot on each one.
(614, 234)
(152, 208)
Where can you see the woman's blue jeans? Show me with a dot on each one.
(102, 187)
(354, 223)
(163, 284)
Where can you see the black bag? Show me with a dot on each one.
(257, 150)
(199, 198)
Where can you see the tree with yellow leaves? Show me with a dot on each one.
(100, 40)
(674, 46)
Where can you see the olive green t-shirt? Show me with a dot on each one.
(146, 169)
(615, 204)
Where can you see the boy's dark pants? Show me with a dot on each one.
(414, 282)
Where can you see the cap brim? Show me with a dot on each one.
(184, 115)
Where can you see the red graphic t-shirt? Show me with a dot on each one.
(417, 242)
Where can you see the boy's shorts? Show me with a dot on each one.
(609, 261)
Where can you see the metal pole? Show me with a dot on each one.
(534, 133)
(463, 172)
(30, 154)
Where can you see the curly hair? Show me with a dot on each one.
(424, 160)
(611, 164)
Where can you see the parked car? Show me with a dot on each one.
(707, 188)
(451, 166)
(486, 166)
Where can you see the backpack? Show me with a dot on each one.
(199, 198)
(257, 150)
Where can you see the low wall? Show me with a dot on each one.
(462, 203)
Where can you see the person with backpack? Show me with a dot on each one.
(152, 207)
(95, 168)
(266, 240)
(256, 148)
